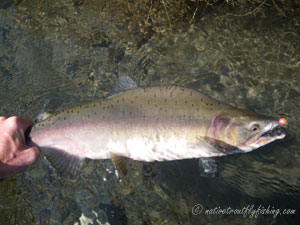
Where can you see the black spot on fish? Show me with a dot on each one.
(111, 106)
(182, 89)
(175, 102)
(68, 112)
(103, 117)
(166, 110)
(131, 102)
(95, 113)
(155, 105)
(52, 123)
(219, 103)
(184, 116)
(72, 111)
(160, 89)
(148, 102)
(192, 105)
(77, 112)
(118, 101)
(160, 108)
(154, 95)
(144, 90)
(88, 115)
(42, 125)
(87, 106)
(130, 113)
(108, 107)
(165, 100)
(103, 107)
(189, 117)
(123, 100)
(136, 96)
(201, 99)
(197, 109)
(94, 105)
(191, 93)
(58, 118)
(100, 103)
(123, 113)
(64, 118)
(185, 102)
(206, 103)
(211, 104)
(80, 106)
(141, 105)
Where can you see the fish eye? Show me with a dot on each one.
(254, 127)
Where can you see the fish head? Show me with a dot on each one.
(245, 130)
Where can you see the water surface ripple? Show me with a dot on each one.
(55, 54)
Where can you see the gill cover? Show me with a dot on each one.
(223, 129)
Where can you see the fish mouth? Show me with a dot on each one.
(278, 131)
(271, 132)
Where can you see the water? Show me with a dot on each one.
(60, 53)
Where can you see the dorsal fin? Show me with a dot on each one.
(124, 83)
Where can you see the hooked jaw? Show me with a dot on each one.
(270, 133)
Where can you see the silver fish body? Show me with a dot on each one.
(147, 124)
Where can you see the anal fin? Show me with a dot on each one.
(122, 164)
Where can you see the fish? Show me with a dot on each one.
(158, 123)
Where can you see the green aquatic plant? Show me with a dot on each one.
(167, 14)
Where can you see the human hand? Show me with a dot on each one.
(15, 155)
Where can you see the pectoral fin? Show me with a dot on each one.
(122, 164)
(221, 146)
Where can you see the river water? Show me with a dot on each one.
(55, 54)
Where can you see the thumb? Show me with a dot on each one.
(27, 156)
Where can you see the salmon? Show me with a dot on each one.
(149, 124)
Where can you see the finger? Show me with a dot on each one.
(25, 157)
(16, 165)
(24, 123)
(2, 118)
(17, 128)
(16, 122)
